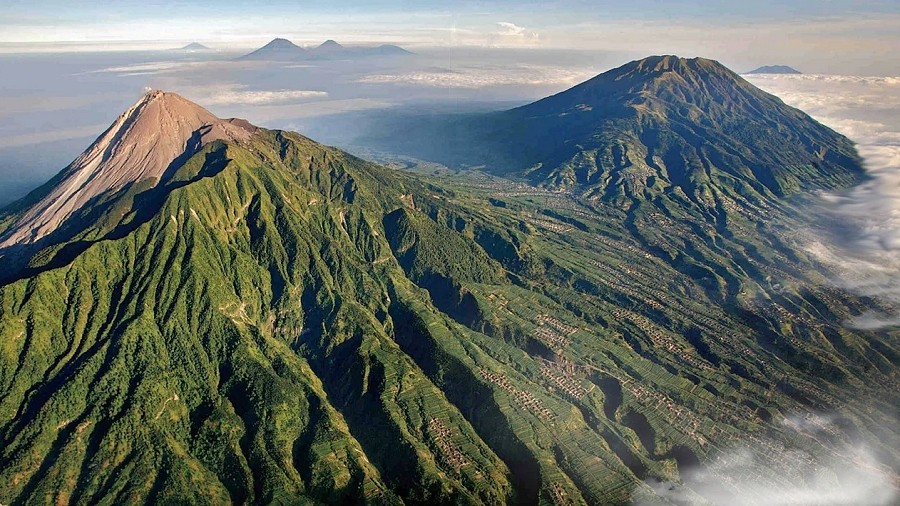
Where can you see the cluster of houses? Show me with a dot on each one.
(443, 438)
(524, 399)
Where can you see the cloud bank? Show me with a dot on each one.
(139, 69)
(482, 77)
(239, 96)
(234, 94)
(866, 254)
(734, 479)
(767, 472)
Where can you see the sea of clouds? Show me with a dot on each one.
(866, 254)
(482, 76)
(845, 472)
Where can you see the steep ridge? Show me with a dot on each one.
(144, 143)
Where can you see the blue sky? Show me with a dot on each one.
(57, 20)
(854, 35)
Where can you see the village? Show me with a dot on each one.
(566, 378)
(525, 400)
(443, 438)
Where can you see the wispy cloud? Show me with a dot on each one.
(481, 77)
(140, 68)
(734, 479)
(511, 33)
(234, 94)
(239, 96)
(27, 139)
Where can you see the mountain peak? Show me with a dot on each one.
(285, 50)
(661, 63)
(277, 48)
(775, 69)
(143, 143)
(667, 77)
(279, 43)
(174, 104)
(194, 46)
(681, 111)
(656, 65)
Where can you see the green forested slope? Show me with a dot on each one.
(164, 364)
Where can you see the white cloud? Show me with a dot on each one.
(866, 109)
(240, 95)
(510, 28)
(514, 30)
(247, 97)
(765, 471)
(140, 69)
(869, 80)
(734, 479)
(511, 33)
(482, 77)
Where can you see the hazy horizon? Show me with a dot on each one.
(859, 35)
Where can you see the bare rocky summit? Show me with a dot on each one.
(141, 144)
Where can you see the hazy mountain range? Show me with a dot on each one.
(285, 50)
(774, 69)
(194, 47)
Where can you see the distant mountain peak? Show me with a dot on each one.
(194, 46)
(775, 69)
(285, 50)
(391, 49)
(279, 43)
(276, 49)
(141, 144)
